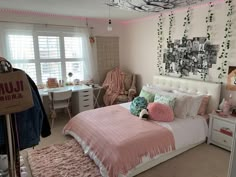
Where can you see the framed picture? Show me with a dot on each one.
(231, 80)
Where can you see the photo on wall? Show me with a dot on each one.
(186, 56)
(231, 79)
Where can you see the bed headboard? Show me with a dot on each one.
(193, 86)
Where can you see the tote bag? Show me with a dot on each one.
(15, 92)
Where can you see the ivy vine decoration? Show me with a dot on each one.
(187, 22)
(160, 43)
(209, 20)
(171, 24)
(225, 46)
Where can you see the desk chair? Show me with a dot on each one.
(59, 100)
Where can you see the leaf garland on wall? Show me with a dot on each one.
(160, 43)
(171, 24)
(209, 22)
(225, 46)
(187, 22)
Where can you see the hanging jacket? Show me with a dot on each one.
(46, 130)
(30, 123)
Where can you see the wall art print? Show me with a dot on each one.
(231, 80)
(152, 5)
(186, 56)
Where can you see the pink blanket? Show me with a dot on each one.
(114, 84)
(118, 139)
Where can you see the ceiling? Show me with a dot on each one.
(119, 9)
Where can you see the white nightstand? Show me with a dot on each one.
(221, 131)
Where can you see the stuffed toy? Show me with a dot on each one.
(144, 114)
(138, 107)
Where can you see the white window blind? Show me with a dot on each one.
(29, 68)
(51, 70)
(43, 55)
(73, 47)
(21, 47)
(76, 68)
(49, 47)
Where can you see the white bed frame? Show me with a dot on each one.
(187, 85)
(192, 86)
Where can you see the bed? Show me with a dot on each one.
(117, 142)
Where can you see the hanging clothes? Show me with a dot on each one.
(30, 123)
(46, 130)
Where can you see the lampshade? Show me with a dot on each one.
(109, 26)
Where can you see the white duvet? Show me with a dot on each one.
(187, 131)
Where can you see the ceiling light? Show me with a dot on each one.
(109, 26)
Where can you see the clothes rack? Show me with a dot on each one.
(13, 91)
(5, 67)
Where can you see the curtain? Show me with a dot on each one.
(90, 61)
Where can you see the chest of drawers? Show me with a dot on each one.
(221, 131)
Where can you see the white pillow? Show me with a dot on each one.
(194, 102)
(181, 107)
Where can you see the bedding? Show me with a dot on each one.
(119, 142)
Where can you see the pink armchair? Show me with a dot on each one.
(119, 86)
(130, 89)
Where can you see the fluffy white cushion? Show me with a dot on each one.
(181, 107)
(193, 104)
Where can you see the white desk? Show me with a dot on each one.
(82, 97)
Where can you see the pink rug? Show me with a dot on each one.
(62, 160)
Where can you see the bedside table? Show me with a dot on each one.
(221, 131)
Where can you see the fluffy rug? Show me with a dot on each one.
(62, 160)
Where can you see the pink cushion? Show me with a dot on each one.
(203, 107)
(160, 112)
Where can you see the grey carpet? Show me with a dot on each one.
(201, 161)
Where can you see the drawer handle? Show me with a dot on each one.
(86, 99)
(85, 91)
(86, 95)
(86, 105)
(225, 141)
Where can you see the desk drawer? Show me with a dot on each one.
(85, 108)
(86, 102)
(83, 93)
(222, 138)
(219, 124)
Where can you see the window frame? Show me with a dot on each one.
(37, 60)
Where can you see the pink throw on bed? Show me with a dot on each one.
(114, 84)
(118, 139)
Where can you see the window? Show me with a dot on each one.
(49, 47)
(44, 56)
(73, 47)
(21, 47)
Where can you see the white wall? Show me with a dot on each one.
(139, 47)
